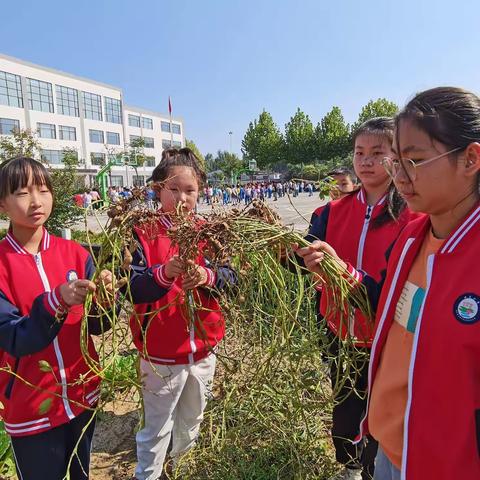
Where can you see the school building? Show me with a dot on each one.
(74, 112)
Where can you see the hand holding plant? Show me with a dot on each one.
(195, 276)
(105, 288)
(314, 254)
(75, 291)
(174, 267)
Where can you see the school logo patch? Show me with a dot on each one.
(467, 308)
(72, 275)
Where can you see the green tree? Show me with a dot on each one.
(192, 146)
(21, 143)
(299, 139)
(332, 136)
(376, 108)
(263, 141)
(228, 163)
(65, 181)
(210, 162)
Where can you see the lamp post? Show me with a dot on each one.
(230, 133)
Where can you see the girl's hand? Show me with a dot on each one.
(195, 277)
(75, 292)
(174, 267)
(106, 292)
(315, 253)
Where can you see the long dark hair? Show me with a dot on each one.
(16, 172)
(394, 204)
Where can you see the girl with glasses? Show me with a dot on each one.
(424, 388)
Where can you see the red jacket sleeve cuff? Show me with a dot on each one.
(353, 275)
(211, 277)
(54, 303)
(161, 278)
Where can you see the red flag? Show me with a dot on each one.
(169, 105)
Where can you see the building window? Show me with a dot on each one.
(149, 142)
(67, 133)
(8, 126)
(67, 101)
(46, 130)
(92, 106)
(134, 137)
(113, 138)
(176, 128)
(54, 157)
(41, 96)
(97, 158)
(166, 144)
(10, 90)
(134, 121)
(96, 136)
(116, 181)
(113, 110)
(138, 180)
(147, 123)
(149, 161)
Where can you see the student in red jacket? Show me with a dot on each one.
(360, 226)
(177, 355)
(424, 388)
(47, 391)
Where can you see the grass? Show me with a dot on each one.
(7, 465)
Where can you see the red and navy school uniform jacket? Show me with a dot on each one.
(346, 224)
(442, 417)
(161, 328)
(44, 380)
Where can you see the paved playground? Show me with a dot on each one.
(293, 211)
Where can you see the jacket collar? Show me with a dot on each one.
(362, 197)
(166, 221)
(456, 237)
(15, 244)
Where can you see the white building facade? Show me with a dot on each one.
(90, 117)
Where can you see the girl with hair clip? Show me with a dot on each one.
(177, 358)
(360, 226)
(424, 388)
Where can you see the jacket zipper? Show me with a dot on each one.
(193, 346)
(56, 346)
(363, 236)
(361, 247)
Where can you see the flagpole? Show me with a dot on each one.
(171, 127)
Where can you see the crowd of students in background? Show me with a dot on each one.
(236, 194)
(222, 195)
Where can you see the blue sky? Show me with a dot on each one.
(224, 61)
